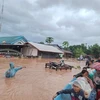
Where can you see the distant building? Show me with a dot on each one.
(66, 53)
(18, 45)
(40, 50)
(12, 45)
(13, 40)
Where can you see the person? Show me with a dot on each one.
(62, 63)
(88, 58)
(81, 57)
(76, 92)
(86, 83)
(89, 62)
(96, 91)
(12, 70)
(96, 80)
(85, 74)
(95, 94)
(80, 74)
(98, 60)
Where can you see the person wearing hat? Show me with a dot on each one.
(76, 92)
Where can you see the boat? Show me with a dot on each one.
(69, 86)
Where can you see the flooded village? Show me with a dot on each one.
(35, 82)
(49, 49)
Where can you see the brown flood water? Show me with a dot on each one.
(35, 82)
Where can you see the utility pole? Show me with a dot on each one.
(1, 17)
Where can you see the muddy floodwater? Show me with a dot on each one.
(34, 82)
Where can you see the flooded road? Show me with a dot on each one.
(34, 82)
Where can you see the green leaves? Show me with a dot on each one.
(82, 49)
(49, 40)
(41, 42)
(95, 50)
(65, 45)
(78, 52)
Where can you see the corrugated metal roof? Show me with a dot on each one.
(46, 48)
(11, 39)
(66, 51)
(60, 48)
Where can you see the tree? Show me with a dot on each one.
(79, 52)
(84, 47)
(95, 50)
(49, 40)
(89, 50)
(65, 44)
(41, 42)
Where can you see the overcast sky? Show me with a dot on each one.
(75, 21)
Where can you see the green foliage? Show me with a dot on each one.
(49, 40)
(65, 45)
(78, 52)
(82, 49)
(41, 42)
(95, 50)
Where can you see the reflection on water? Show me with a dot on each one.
(35, 82)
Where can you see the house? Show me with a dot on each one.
(18, 45)
(66, 53)
(40, 50)
(12, 45)
(13, 40)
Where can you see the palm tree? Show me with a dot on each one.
(49, 40)
(65, 44)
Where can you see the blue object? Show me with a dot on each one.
(91, 74)
(13, 39)
(12, 71)
(92, 95)
(65, 96)
(69, 86)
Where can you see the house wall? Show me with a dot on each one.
(67, 55)
(20, 42)
(12, 50)
(29, 51)
(13, 47)
(48, 54)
